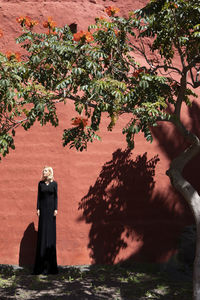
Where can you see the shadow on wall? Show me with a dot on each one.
(191, 171)
(28, 246)
(121, 208)
(172, 144)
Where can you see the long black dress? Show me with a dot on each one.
(46, 259)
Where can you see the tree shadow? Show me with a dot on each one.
(28, 247)
(122, 210)
(192, 169)
(172, 143)
(96, 282)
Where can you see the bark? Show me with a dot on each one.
(193, 199)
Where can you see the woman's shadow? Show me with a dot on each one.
(28, 247)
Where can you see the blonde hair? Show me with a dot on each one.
(50, 177)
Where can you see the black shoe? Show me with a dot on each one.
(45, 272)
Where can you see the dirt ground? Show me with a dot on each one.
(119, 282)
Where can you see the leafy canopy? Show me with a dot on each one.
(98, 70)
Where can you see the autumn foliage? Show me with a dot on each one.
(111, 10)
(26, 21)
(49, 23)
(80, 121)
(13, 55)
(137, 72)
(83, 35)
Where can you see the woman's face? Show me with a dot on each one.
(46, 172)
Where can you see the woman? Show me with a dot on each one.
(46, 260)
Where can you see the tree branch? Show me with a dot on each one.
(181, 95)
(195, 60)
(195, 82)
(188, 135)
(73, 98)
(168, 67)
(155, 68)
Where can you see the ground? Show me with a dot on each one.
(119, 282)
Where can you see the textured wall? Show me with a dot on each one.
(127, 207)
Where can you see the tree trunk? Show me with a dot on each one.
(193, 199)
(196, 270)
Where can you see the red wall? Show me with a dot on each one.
(113, 204)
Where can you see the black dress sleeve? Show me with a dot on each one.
(55, 196)
(38, 196)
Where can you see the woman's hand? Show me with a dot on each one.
(38, 212)
(55, 213)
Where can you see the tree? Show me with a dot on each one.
(97, 70)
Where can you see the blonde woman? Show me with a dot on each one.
(46, 259)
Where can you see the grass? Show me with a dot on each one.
(119, 282)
